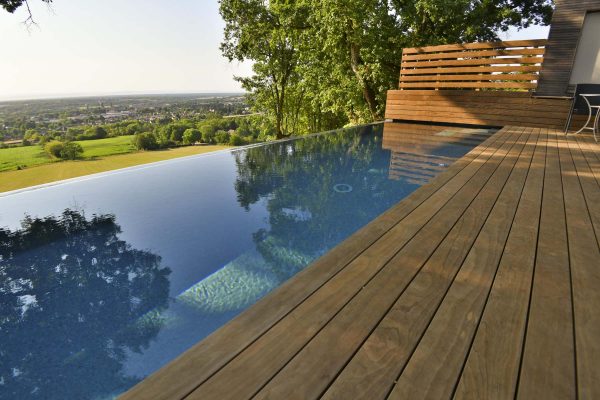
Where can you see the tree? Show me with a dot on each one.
(12, 5)
(54, 148)
(191, 136)
(71, 151)
(332, 61)
(96, 132)
(268, 33)
(145, 141)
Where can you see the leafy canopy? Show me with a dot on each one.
(322, 63)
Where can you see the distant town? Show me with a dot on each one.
(53, 117)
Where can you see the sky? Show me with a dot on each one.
(95, 47)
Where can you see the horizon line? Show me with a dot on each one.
(58, 96)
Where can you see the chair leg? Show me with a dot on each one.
(585, 126)
(569, 118)
(596, 121)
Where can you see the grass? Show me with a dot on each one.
(31, 156)
(55, 171)
(107, 147)
(28, 156)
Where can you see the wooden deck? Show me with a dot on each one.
(483, 284)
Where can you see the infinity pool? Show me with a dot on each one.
(105, 279)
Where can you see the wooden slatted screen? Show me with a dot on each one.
(511, 65)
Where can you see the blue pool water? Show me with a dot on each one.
(105, 279)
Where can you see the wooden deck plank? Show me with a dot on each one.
(276, 347)
(376, 366)
(189, 370)
(349, 329)
(584, 256)
(449, 336)
(492, 367)
(548, 364)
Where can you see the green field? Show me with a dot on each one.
(28, 156)
(107, 147)
(31, 156)
(56, 171)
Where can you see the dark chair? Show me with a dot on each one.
(580, 106)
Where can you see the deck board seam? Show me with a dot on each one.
(408, 284)
(499, 162)
(452, 281)
(529, 170)
(564, 209)
(535, 256)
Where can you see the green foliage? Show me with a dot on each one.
(319, 64)
(12, 5)
(236, 140)
(91, 133)
(145, 141)
(222, 137)
(54, 148)
(191, 136)
(71, 151)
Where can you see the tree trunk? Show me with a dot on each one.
(368, 93)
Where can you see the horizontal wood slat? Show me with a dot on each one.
(477, 70)
(495, 65)
(473, 85)
(493, 108)
(472, 54)
(473, 46)
(480, 77)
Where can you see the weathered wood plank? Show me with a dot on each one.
(450, 334)
(489, 85)
(475, 61)
(376, 366)
(473, 54)
(492, 367)
(480, 77)
(454, 70)
(474, 46)
(548, 364)
(584, 256)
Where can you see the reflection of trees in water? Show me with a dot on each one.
(303, 172)
(74, 298)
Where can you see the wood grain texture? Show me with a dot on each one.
(449, 335)
(387, 350)
(548, 364)
(584, 256)
(492, 367)
(475, 46)
(491, 108)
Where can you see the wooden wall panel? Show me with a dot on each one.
(490, 108)
(565, 30)
(485, 65)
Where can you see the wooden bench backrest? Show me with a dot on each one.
(490, 65)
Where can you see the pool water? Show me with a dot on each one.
(105, 279)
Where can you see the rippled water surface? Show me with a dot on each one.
(103, 280)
